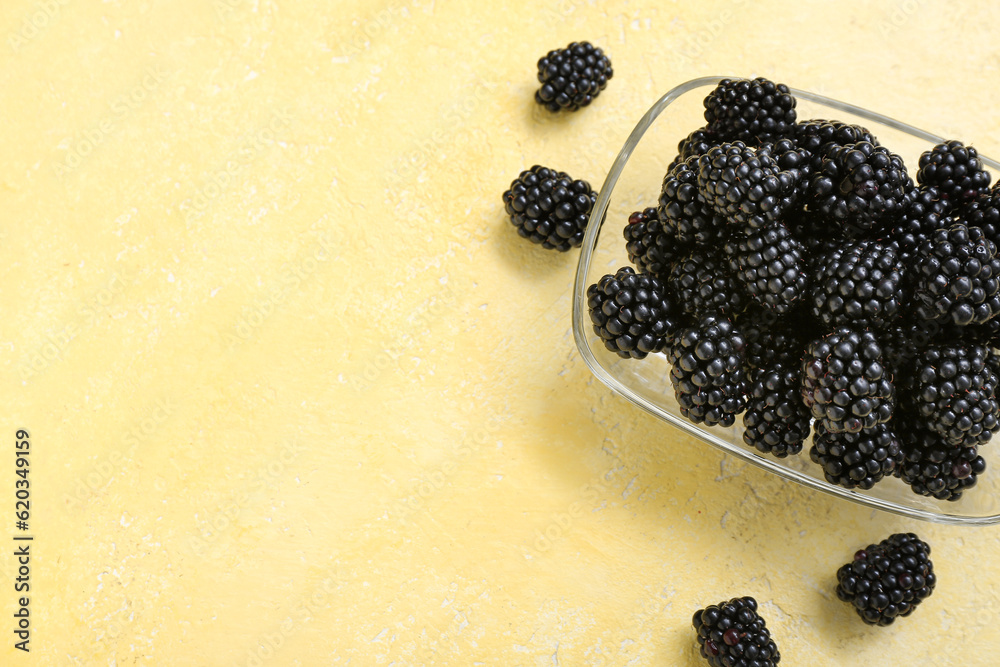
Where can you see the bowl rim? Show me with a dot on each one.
(581, 323)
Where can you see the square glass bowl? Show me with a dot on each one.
(633, 184)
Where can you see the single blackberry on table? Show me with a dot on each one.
(956, 276)
(702, 284)
(955, 169)
(926, 212)
(859, 186)
(857, 285)
(707, 371)
(932, 467)
(572, 77)
(773, 339)
(733, 634)
(888, 580)
(775, 421)
(856, 460)
(951, 392)
(745, 186)
(983, 212)
(631, 313)
(550, 208)
(650, 247)
(815, 135)
(751, 111)
(771, 264)
(844, 383)
(683, 210)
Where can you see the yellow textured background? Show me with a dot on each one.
(298, 395)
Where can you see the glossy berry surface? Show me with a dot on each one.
(549, 208)
(572, 77)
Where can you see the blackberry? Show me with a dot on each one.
(793, 160)
(856, 460)
(707, 371)
(549, 207)
(815, 135)
(702, 284)
(651, 248)
(889, 579)
(956, 276)
(955, 169)
(773, 339)
(857, 285)
(572, 77)
(926, 212)
(983, 212)
(744, 185)
(859, 186)
(631, 313)
(775, 421)
(934, 468)
(952, 393)
(771, 265)
(844, 383)
(683, 210)
(733, 634)
(752, 111)
(693, 145)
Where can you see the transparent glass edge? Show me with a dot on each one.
(580, 323)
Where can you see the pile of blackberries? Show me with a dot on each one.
(799, 276)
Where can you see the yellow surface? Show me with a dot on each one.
(297, 393)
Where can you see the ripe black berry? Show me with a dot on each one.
(956, 276)
(708, 374)
(733, 634)
(683, 210)
(631, 313)
(889, 579)
(771, 264)
(650, 247)
(572, 77)
(751, 111)
(702, 284)
(955, 169)
(932, 467)
(857, 285)
(745, 186)
(775, 421)
(856, 460)
(549, 207)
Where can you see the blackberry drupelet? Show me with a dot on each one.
(745, 186)
(702, 284)
(889, 579)
(844, 383)
(631, 313)
(572, 77)
(956, 276)
(857, 285)
(952, 393)
(751, 111)
(955, 169)
(773, 339)
(856, 460)
(549, 207)
(771, 264)
(707, 371)
(683, 210)
(775, 421)
(934, 468)
(859, 186)
(733, 634)
(926, 212)
(650, 247)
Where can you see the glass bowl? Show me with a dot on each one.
(633, 184)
